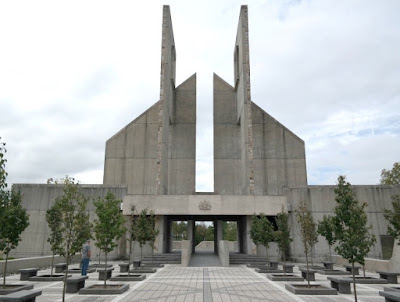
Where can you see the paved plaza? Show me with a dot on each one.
(175, 283)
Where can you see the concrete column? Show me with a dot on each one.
(159, 243)
(190, 233)
(220, 230)
(215, 222)
(247, 242)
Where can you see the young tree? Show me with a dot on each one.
(350, 226)
(53, 217)
(142, 230)
(74, 222)
(229, 230)
(13, 221)
(153, 233)
(313, 241)
(132, 233)
(255, 232)
(13, 217)
(282, 235)
(393, 217)
(391, 177)
(325, 229)
(109, 225)
(267, 234)
(307, 226)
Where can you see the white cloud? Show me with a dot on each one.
(74, 73)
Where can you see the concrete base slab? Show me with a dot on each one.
(391, 289)
(288, 278)
(48, 278)
(314, 289)
(268, 271)
(333, 272)
(99, 289)
(369, 280)
(126, 277)
(78, 270)
(143, 270)
(12, 288)
(99, 265)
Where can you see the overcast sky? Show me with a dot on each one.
(73, 73)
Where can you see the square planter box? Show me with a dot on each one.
(12, 288)
(126, 277)
(282, 277)
(99, 265)
(98, 289)
(268, 271)
(314, 289)
(143, 270)
(60, 267)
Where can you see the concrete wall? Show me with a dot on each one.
(37, 199)
(321, 201)
(156, 153)
(253, 153)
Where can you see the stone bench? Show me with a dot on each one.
(328, 265)
(75, 283)
(124, 267)
(342, 285)
(390, 296)
(136, 263)
(390, 277)
(288, 268)
(60, 267)
(105, 273)
(273, 264)
(310, 276)
(22, 295)
(26, 273)
(350, 269)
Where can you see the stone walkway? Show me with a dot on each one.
(176, 283)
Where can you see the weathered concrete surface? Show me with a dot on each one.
(186, 252)
(37, 199)
(223, 252)
(219, 204)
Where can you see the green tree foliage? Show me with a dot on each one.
(255, 232)
(3, 160)
(263, 232)
(142, 230)
(229, 230)
(53, 217)
(325, 229)
(350, 226)
(393, 217)
(203, 233)
(153, 233)
(13, 217)
(109, 225)
(179, 230)
(74, 222)
(391, 177)
(282, 235)
(307, 230)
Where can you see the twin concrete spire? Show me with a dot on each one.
(253, 153)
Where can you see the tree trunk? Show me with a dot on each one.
(266, 253)
(364, 270)
(354, 283)
(330, 254)
(312, 257)
(258, 258)
(152, 255)
(65, 279)
(308, 279)
(99, 256)
(141, 252)
(52, 265)
(5, 271)
(284, 263)
(129, 257)
(105, 273)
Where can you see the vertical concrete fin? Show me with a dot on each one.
(243, 99)
(166, 109)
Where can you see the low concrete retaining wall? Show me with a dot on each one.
(186, 252)
(14, 265)
(223, 252)
(372, 265)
